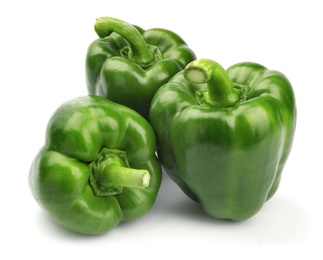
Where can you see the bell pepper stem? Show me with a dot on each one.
(139, 50)
(110, 173)
(219, 91)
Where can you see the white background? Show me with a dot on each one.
(42, 53)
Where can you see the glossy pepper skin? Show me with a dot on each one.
(128, 64)
(224, 136)
(98, 166)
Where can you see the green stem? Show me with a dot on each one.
(110, 173)
(219, 92)
(139, 50)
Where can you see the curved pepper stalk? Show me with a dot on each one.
(219, 92)
(138, 50)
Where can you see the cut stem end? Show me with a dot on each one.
(110, 173)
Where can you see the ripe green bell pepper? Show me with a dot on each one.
(98, 166)
(128, 64)
(224, 136)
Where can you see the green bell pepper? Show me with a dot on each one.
(224, 136)
(98, 166)
(128, 64)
